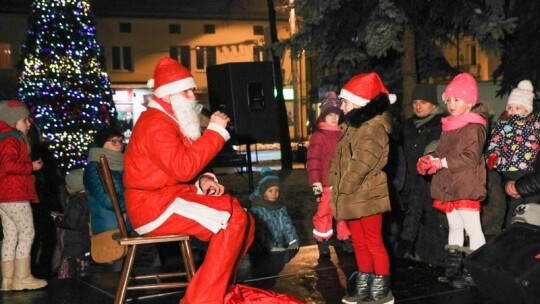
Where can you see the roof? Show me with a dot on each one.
(182, 9)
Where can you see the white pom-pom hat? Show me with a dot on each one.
(523, 95)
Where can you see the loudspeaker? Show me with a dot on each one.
(507, 269)
(245, 92)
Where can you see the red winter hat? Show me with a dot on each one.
(463, 86)
(170, 77)
(362, 88)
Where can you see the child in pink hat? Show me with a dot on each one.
(459, 175)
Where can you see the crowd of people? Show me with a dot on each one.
(165, 187)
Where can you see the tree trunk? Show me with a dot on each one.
(409, 73)
(284, 137)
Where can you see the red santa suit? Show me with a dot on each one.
(161, 165)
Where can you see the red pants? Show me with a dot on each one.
(369, 250)
(225, 250)
(322, 220)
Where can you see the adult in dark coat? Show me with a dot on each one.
(424, 228)
(527, 186)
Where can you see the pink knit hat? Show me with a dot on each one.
(463, 86)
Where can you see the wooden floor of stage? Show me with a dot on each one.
(299, 273)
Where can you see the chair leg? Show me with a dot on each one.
(187, 256)
(121, 292)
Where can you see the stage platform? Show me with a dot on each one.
(299, 273)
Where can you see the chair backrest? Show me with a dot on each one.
(104, 172)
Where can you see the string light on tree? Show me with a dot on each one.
(62, 78)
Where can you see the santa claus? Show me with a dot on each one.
(164, 191)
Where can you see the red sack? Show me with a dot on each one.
(242, 294)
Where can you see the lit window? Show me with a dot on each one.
(121, 58)
(206, 56)
(5, 56)
(260, 53)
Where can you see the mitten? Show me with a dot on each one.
(436, 165)
(423, 164)
(317, 189)
(492, 161)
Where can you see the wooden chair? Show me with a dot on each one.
(132, 242)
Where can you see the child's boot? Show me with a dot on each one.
(324, 248)
(23, 279)
(347, 246)
(464, 279)
(362, 288)
(452, 268)
(380, 291)
(7, 275)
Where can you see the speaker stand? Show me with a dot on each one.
(249, 167)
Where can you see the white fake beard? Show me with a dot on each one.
(187, 113)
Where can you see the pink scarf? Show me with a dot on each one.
(324, 126)
(450, 123)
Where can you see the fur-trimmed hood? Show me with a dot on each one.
(376, 107)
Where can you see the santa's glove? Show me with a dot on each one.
(491, 162)
(317, 189)
(423, 164)
(436, 165)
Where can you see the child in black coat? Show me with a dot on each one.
(74, 234)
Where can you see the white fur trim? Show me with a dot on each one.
(353, 98)
(221, 130)
(212, 219)
(329, 233)
(175, 87)
(361, 101)
(392, 98)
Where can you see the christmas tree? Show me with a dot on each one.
(62, 78)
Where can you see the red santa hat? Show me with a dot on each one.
(464, 87)
(362, 88)
(170, 77)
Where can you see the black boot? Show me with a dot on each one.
(324, 249)
(380, 292)
(404, 249)
(362, 287)
(453, 263)
(464, 279)
(347, 246)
